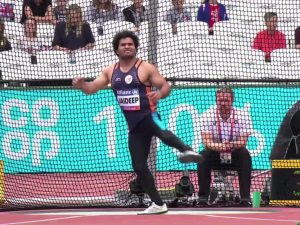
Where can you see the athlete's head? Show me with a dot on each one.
(125, 44)
(225, 99)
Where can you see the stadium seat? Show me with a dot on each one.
(192, 3)
(96, 58)
(13, 30)
(229, 44)
(52, 58)
(164, 5)
(196, 29)
(235, 29)
(288, 28)
(13, 58)
(45, 30)
(113, 26)
(164, 28)
(248, 56)
(285, 56)
(124, 3)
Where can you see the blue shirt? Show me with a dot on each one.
(131, 94)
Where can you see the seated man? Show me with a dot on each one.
(101, 11)
(136, 13)
(178, 13)
(225, 131)
(4, 43)
(297, 38)
(211, 11)
(73, 33)
(39, 10)
(270, 39)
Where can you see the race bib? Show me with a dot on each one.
(129, 100)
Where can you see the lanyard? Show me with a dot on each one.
(219, 125)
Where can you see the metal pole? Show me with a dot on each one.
(152, 31)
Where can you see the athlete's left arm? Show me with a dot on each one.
(158, 81)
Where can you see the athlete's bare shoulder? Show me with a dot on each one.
(148, 68)
(147, 65)
(107, 71)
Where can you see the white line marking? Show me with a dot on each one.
(121, 213)
(38, 221)
(248, 218)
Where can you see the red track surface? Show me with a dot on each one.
(274, 216)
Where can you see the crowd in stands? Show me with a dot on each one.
(73, 31)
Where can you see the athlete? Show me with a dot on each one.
(132, 81)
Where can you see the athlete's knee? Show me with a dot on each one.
(166, 135)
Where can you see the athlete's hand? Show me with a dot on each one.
(78, 82)
(154, 96)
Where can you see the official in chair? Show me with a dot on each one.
(225, 132)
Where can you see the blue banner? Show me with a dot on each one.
(68, 131)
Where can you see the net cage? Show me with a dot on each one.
(62, 148)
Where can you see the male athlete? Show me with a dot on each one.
(132, 81)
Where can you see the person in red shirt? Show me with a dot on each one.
(270, 39)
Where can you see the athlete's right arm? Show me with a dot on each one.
(101, 82)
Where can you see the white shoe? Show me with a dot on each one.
(154, 209)
(190, 156)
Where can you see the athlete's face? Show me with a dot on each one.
(126, 49)
(224, 101)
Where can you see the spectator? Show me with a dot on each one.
(103, 10)
(60, 11)
(211, 12)
(177, 14)
(297, 38)
(40, 10)
(29, 42)
(135, 13)
(269, 39)
(225, 131)
(4, 43)
(7, 12)
(74, 33)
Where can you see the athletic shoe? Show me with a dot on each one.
(202, 201)
(245, 202)
(154, 209)
(190, 156)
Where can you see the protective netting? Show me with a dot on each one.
(63, 148)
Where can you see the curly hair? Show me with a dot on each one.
(125, 34)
